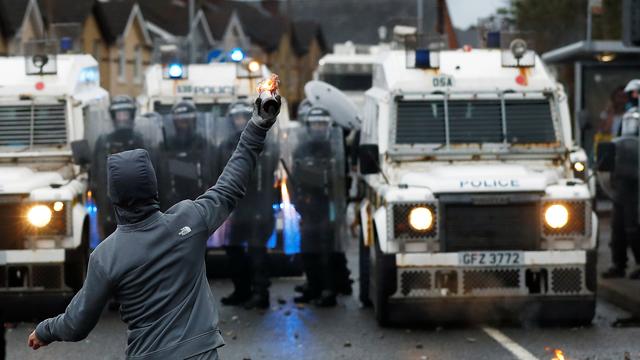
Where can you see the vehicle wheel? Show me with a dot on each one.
(383, 281)
(77, 261)
(364, 268)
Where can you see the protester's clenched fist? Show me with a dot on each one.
(263, 118)
(34, 342)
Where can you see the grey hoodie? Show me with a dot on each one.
(153, 264)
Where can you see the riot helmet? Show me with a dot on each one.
(318, 122)
(239, 115)
(123, 112)
(632, 90)
(184, 118)
(303, 109)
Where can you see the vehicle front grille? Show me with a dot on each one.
(33, 125)
(418, 281)
(435, 282)
(32, 276)
(46, 276)
(566, 280)
(12, 231)
(481, 279)
(490, 227)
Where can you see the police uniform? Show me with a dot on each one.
(251, 224)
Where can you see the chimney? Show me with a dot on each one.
(271, 6)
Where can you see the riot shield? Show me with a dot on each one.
(185, 159)
(252, 222)
(316, 169)
(105, 140)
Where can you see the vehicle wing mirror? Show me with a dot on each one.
(81, 152)
(369, 159)
(606, 156)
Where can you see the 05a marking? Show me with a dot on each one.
(491, 258)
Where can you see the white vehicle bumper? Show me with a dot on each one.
(558, 257)
(40, 256)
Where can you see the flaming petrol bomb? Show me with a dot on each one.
(268, 89)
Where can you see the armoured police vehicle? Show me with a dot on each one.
(477, 201)
(45, 104)
(211, 88)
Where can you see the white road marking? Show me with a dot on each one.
(518, 351)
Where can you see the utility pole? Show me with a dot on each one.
(191, 45)
(420, 6)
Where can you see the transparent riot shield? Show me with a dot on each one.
(105, 140)
(316, 182)
(185, 160)
(252, 222)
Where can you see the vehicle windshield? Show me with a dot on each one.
(28, 126)
(505, 121)
(216, 109)
(347, 77)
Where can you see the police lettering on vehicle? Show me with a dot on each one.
(442, 81)
(204, 90)
(489, 183)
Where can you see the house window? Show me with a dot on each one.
(122, 61)
(137, 67)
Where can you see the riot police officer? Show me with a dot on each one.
(183, 173)
(121, 138)
(251, 224)
(625, 230)
(319, 196)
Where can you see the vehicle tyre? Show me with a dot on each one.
(77, 261)
(364, 271)
(382, 281)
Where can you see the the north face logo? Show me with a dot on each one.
(184, 231)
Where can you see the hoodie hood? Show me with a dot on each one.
(133, 187)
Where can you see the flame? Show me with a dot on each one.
(271, 84)
(557, 354)
(284, 191)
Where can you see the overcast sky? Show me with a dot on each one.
(465, 13)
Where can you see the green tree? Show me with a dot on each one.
(551, 24)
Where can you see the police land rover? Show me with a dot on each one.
(45, 103)
(477, 203)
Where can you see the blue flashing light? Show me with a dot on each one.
(493, 40)
(237, 55)
(176, 71)
(423, 59)
(273, 240)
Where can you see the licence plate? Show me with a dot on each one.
(491, 258)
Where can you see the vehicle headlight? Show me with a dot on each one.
(420, 218)
(556, 216)
(579, 166)
(39, 215)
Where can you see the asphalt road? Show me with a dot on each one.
(349, 332)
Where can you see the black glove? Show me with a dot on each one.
(262, 118)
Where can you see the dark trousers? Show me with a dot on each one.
(320, 272)
(249, 268)
(340, 270)
(624, 234)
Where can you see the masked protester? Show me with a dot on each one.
(153, 264)
(251, 224)
(121, 138)
(319, 195)
(184, 156)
